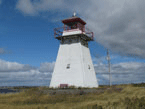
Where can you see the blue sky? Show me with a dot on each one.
(28, 48)
(28, 39)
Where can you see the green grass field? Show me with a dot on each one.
(130, 97)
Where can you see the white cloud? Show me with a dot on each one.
(118, 25)
(29, 7)
(13, 74)
(125, 67)
(6, 66)
(26, 7)
(46, 67)
(122, 72)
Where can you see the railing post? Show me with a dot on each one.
(64, 27)
(67, 28)
(92, 35)
(58, 31)
(84, 29)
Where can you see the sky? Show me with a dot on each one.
(28, 48)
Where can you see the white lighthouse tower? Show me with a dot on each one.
(73, 65)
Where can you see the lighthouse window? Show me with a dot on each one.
(68, 66)
(89, 67)
(74, 26)
(77, 39)
(70, 41)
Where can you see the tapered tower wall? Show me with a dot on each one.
(76, 56)
(89, 72)
(68, 56)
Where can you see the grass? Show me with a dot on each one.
(130, 97)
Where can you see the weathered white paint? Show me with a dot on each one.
(81, 72)
(71, 32)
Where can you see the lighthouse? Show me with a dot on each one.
(73, 65)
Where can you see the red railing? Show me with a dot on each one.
(89, 33)
(59, 31)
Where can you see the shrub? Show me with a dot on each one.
(79, 88)
(71, 87)
(134, 103)
(95, 106)
(81, 92)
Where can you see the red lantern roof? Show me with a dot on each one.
(72, 20)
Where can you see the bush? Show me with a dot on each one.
(81, 92)
(71, 87)
(79, 87)
(139, 85)
(95, 106)
(142, 102)
(135, 103)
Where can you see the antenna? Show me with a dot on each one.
(74, 14)
(108, 58)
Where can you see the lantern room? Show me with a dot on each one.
(74, 23)
(73, 26)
